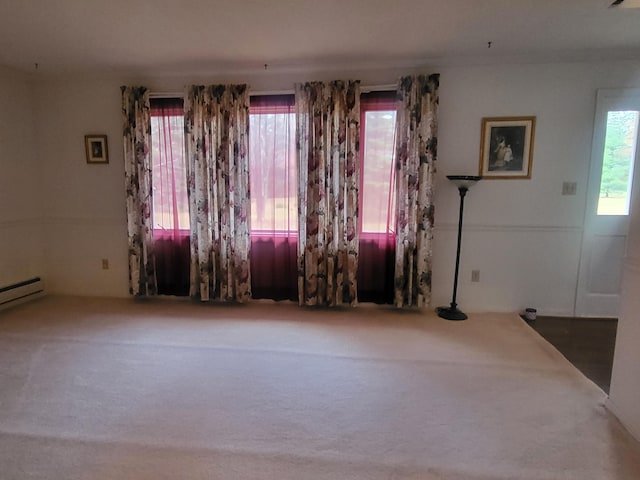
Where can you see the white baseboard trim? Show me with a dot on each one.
(21, 292)
(633, 429)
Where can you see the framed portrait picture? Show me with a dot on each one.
(96, 148)
(506, 147)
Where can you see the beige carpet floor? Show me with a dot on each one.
(117, 389)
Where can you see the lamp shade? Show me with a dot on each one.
(464, 181)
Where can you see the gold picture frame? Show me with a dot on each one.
(96, 148)
(506, 147)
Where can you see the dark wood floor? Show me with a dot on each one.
(588, 343)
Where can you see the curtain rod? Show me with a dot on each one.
(364, 89)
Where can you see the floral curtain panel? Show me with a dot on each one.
(328, 142)
(416, 153)
(216, 144)
(137, 160)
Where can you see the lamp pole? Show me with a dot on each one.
(463, 183)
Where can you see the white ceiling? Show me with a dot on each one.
(152, 36)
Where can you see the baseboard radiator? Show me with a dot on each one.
(21, 292)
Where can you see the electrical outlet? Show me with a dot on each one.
(105, 264)
(569, 188)
(475, 275)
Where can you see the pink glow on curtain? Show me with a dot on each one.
(273, 179)
(170, 201)
(377, 220)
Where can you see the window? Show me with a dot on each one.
(618, 162)
(272, 165)
(378, 120)
(170, 201)
(274, 197)
(377, 207)
(169, 176)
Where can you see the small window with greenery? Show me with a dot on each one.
(618, 162)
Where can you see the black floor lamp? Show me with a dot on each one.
(463, 182)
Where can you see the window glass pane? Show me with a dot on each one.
(272, 167)
(618, 163)
(377, 172)
(170, 201)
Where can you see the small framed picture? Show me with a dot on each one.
(96, 148)
(506, 147)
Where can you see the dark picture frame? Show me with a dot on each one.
(506, 147)
(96, 148)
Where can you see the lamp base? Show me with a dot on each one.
(451, 313)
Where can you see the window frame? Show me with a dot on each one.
(175, 105)
(376, 101)
(274, 105)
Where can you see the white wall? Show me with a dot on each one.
(84, 212)
(20, 186)
(522, 235)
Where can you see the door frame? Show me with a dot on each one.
(607, 100)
